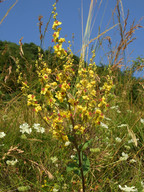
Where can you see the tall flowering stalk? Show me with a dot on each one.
(85, 104)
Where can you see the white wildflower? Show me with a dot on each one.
(132, 161)
(55, 190)
(129, 111)
(12, 162)
(118, 140)
(114, 107)
(2, 134)
(36, 125)
(127, 189)
(74, 149)
(108, 119)
(142, 184)
(118, 111)
(124, 157)
(132, 141)
(142, 121)
(25, 128)
(38, 128)
(104, 125)
(67, 143)
(72, 156)
(123, 125)
(54, 159)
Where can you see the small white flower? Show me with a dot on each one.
(67, 143)
(2, 134)
(108, 119)
(132, 141)
(118, 111)
(36, 125)
(127, 189)
(104, 125)
(129, 111)
(74, 149)
(142, 184)
(38, 128)
(142, 121)
(54, 159)
(72, 156)
(55, 190)
(118, 140)
(123, 125)
(12, 162)
(114, 107)
(124, 157)
(132, 161)
(24, 128)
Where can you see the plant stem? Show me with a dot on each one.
(81, 169)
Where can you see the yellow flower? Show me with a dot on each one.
(31, 97)
(85, 97)
(61, 40)
(53, 84)
(38, 108)
(65, 138)
(82, 129)
(59, 96)
(56, 35)
(76, 127)
(55, 24)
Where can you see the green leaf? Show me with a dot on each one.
(86, 164)
(86, 145)
(71, 138)
(73, 167)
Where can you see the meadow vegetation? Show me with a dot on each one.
(67, 124)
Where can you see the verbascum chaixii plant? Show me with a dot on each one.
(69, 109)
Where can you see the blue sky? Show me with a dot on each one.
(22, 21)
